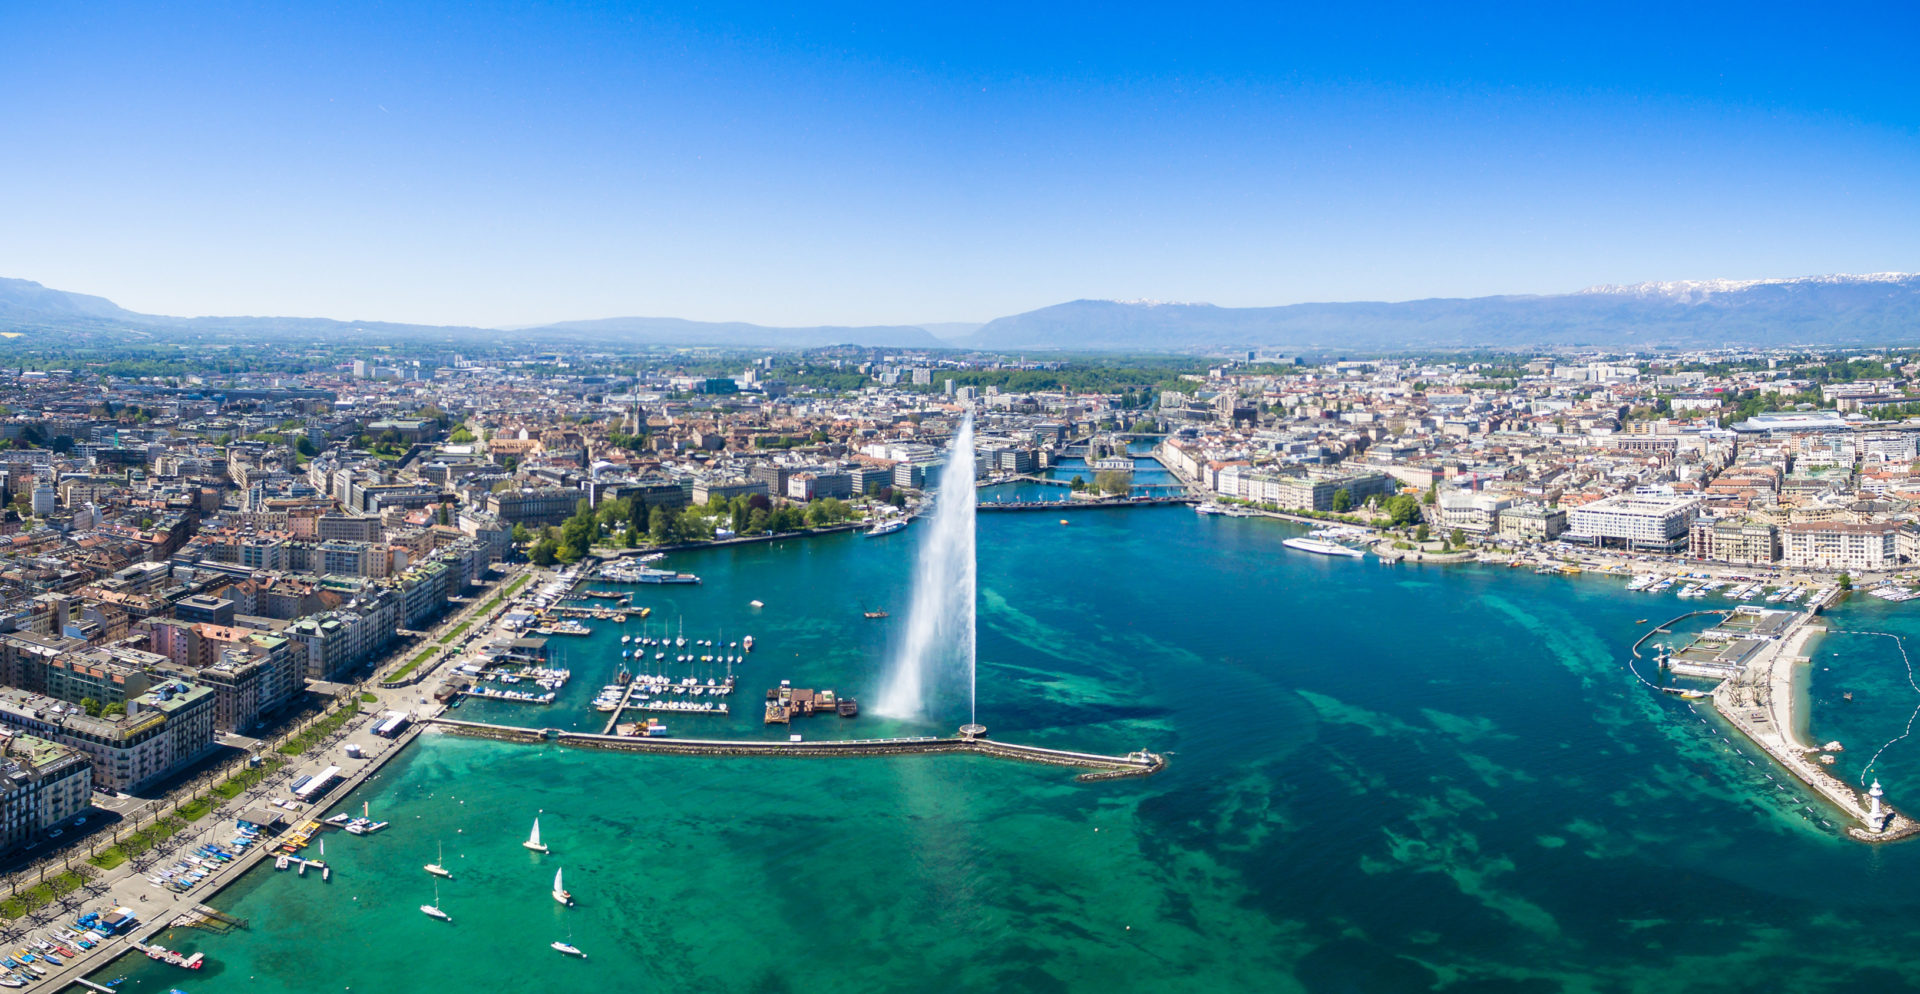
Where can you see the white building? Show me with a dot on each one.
(1470, 511)
(1839, 545)
(1635, 520)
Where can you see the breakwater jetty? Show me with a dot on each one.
(971, 739)
(1760, 648)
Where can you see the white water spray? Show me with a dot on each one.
(938, 654)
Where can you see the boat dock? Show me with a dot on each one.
(203, 917)
(596, 613)
(972, 739)
(284, 861)
(626, 696)
(516, 696)
(165, 955)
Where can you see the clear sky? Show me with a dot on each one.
(799, 163)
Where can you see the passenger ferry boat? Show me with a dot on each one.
(1322, 547)
(887, 527)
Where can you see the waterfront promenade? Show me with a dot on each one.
(127, 885)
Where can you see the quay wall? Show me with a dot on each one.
(1079, 505)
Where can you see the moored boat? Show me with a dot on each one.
(438, 868)
(1322, 547)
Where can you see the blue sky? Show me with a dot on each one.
(509, 164)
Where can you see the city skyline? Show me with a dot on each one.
(511, 167)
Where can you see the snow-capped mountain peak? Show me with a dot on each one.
(1698, 290)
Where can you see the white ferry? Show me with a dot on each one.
(1322, 547)
(887, 527)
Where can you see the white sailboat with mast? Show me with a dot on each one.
(533, 841)
(433, 910)
(560, 893)
(439, 868)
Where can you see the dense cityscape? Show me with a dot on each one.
(759, 498)
(227, 550)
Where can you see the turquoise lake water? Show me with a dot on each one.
(1382, 779)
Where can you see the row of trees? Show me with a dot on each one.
(1107, 481)
(629, 521)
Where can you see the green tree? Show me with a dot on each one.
(1458, 538)
(1401, 510)
(1433, 494)
(660, 525)
(1420, 533)
(1077, 484)
(520, 535)
(545, 552)
(90, 706)
(1342, 501)
(577, 535)
(113, 709)
(1846, 581)
(691, 527)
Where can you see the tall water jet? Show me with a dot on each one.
(937, 654)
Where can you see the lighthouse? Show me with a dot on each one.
(1876, 815)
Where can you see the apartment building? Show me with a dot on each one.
(1839, 545)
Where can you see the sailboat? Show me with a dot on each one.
(533, 841)
(568, 949)
(433, 910)
(439, 868)
(560, 893)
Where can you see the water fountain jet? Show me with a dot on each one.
(938, 650)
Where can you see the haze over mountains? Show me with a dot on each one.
(1826, 310)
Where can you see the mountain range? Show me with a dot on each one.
(1880, 308)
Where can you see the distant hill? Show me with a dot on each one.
(57, 315)
(1823, 309)
(677, 331)
(1882, 308)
